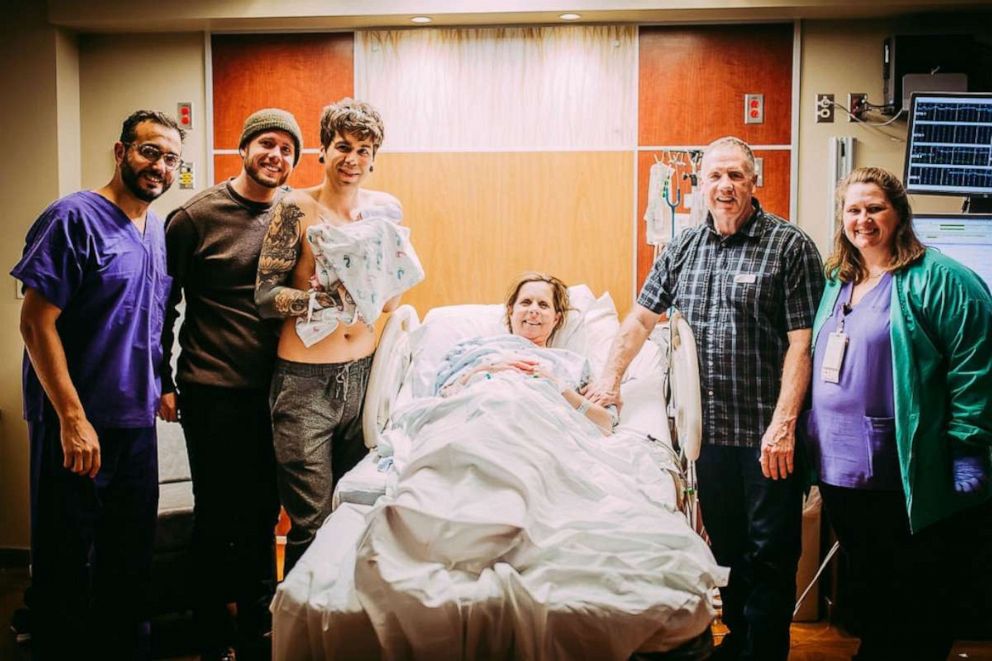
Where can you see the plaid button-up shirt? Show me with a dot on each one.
(740, 295)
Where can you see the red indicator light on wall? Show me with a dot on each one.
(184, 114)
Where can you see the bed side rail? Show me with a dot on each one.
(392, 359)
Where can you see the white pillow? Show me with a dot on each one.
(596, 332)
(441, 329)
(580, 299)
(444, 327)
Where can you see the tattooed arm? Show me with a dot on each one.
(280, 252)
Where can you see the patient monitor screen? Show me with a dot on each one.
(949, 146)
(968, 239)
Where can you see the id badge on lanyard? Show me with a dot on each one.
(833, 356)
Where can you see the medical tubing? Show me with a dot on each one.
(823, 565)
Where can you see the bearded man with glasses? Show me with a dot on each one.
(95, 285)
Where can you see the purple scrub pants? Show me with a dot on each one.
(91, 546)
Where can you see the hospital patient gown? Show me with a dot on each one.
(571, 368)
(517, 530)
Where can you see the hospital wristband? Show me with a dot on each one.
(584, 406)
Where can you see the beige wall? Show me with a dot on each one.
(38, 134)
(119, 74)
(839, 57)
(67, 101)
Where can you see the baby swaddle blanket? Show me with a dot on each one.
(361, 265)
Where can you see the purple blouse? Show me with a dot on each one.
(851, 426)
(85, 256)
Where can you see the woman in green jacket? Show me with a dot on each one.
(900, 429)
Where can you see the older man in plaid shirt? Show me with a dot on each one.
(748, 283)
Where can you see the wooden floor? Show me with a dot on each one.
(810, 642)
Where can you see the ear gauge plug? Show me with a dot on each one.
(320, 159)
(371, 167)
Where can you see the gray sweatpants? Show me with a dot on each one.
(317, 432)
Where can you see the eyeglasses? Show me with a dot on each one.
(151, 153)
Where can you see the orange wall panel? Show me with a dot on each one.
(773, 195)
(298, 72)
(693, 80)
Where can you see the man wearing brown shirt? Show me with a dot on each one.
(224, 369)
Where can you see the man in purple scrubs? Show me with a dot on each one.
(95, 287)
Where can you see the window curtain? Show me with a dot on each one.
(501, 89)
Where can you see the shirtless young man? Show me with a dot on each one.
(317, 391)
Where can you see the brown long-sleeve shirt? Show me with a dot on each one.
(212, 244)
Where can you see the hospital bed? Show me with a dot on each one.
(317, 612)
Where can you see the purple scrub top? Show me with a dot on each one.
(851, 426)
(85, 256)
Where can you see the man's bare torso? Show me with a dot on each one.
(347, 342)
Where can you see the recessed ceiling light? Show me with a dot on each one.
(570, 17)
(421, 19)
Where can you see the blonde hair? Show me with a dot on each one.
(845, 263)
(559, 297)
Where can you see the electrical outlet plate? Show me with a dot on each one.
(184, 114)
(857, 105)
(754, 108)
(824, 108)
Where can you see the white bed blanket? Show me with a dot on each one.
(518, 531)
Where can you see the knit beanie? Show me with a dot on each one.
(272, 119)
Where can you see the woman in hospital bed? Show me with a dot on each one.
(517, 530)
(535, 310)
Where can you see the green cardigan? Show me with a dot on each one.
(941, 330)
